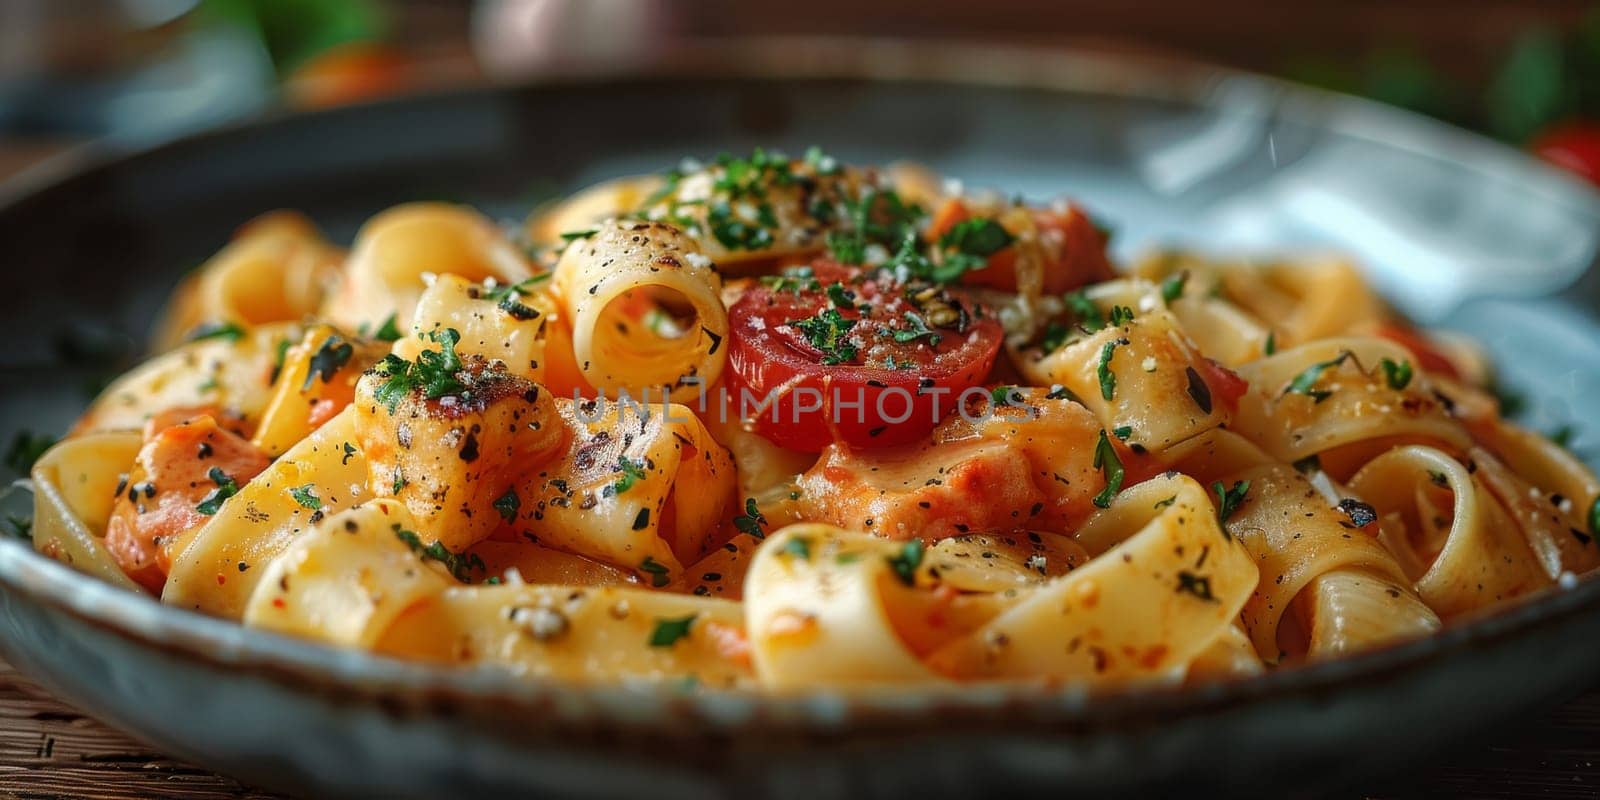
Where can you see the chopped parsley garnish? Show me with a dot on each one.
(517, 309)
(1108, 379)
(571, 236)
(1085, 311)
(1172, 288)
(306, 496)
(508, 505)
(460, 565)
(799, 547)
(820, 162)
(967, 246)
(1272, 343)
(1123, 432)
(1003, 395)
(978, 237)
(217, 330)
(1165, 502)
(828, 332)
(841, 297)
(751, 520)
(906, 562)
(1228, 499)
(657, 572)
(1305, 383)
(1110, 464)
(329, 358)
(846, 248)
(735, 232)
(387, 331)
(1055, 335)
(632, 472)
(1397, 375)
(25, 449)
(499, 293)
(879, 216)
(226, 488)
(916, 328)
(400, 481)
(1197, 585)
(668, 630)
(433, 373)
(1120, 316)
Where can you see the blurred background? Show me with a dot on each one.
(135, 71)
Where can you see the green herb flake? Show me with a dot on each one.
(1305, 383)
(216, 330)
(1110, 464)
(508, 505)
(1228, 500)
(434, 372)
(306, 496)
(1397, 375)
(751, 520)
(1085, 311)
(906, 562)
(327, 361)
(917, 328)
(828, 332)
(1172, 288)
(459, 565)
(226, 488)
(1108, 379)
(1160, 504)
(632, 472)
(656, 570)
(669, 631)
(1271, 346)
(387, 331)
(1055, 335)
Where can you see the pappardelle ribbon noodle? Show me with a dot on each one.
(781, 423)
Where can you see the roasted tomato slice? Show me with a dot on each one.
(1064, 242)
(834, 354)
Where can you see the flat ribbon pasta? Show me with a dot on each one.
(1455, 539)
(577, 633)
(233, 370)
(397, 250)
(1334, 392)
(344, 580)
(75, 484)
(276, 269)
(1164, 584)
(216, 571)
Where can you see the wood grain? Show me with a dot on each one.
(49, 751)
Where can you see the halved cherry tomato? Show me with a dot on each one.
(855, 357)
(1073, 249)
(1225, 384)
(1428, 356)
(1574, 146)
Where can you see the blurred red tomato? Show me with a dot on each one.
(1574, 146)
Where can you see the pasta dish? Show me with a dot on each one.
(780, 423)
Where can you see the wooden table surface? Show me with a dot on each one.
(49, 750)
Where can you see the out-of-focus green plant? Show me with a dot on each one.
(294, 31)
